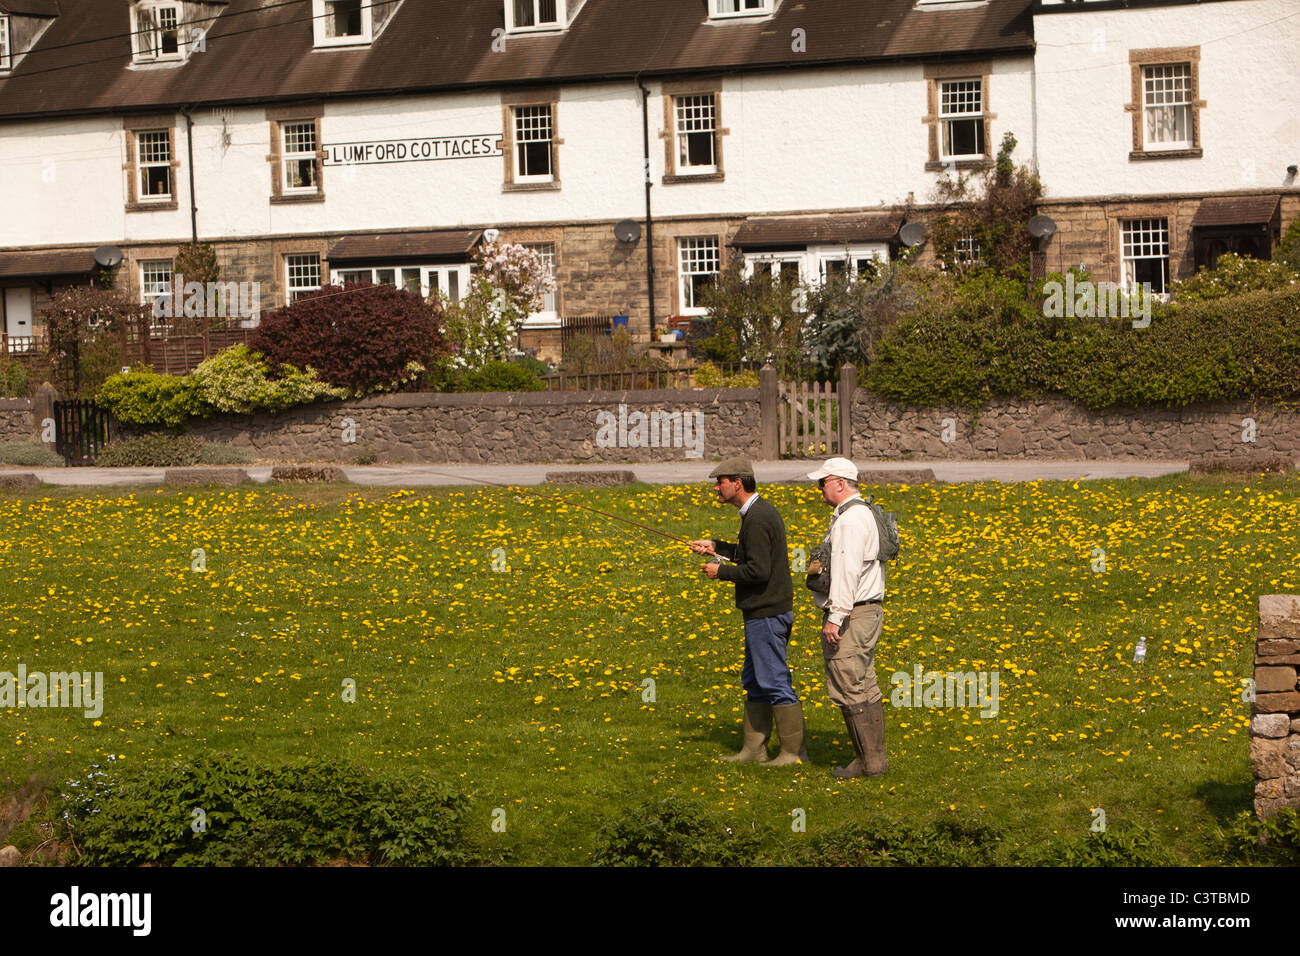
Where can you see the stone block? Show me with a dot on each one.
(187, 477)
(1276, 648)
(1266, 808)
(1279, 617)
(1286, 703)
(312, 473)
(1270, 725)
(590, 477)
(21, 481)
(1292, 753)
(1270, 789)
(1241, 464)
(1268, 758)
(1272, 679)
(1291, 788)
(1011, 441)
(11, 856)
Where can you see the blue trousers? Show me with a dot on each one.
(766, 676)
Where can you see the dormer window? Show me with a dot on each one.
(157, 32)
(342, 22)
(740, 8)
(529, 15)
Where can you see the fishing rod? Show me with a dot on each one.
(574, 504)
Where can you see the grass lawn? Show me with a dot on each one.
(519, 675)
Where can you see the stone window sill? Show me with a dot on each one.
(171, 206)
(687, 178)
(1139, 154)
(553, 186)
(935, 167)
(306, 197)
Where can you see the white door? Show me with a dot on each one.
(18, 312)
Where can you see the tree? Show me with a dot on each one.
(364, 338)
(87, 328)
(762, 317)
(511, 282)
(993, 211)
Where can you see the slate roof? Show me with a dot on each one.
(1237, 211)
(258, 55)
(815, 230)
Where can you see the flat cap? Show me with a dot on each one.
(733, 466)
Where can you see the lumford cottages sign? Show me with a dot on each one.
(412, 150)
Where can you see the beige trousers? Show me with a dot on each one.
(851, 666)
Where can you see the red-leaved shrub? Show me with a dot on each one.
(361, 337)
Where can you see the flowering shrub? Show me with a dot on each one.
(512, 282)
(141, 398)
(363, 338)
(1234, 275)
(237, 381)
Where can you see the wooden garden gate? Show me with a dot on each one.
(807, 419)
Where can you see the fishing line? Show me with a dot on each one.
(574, 504)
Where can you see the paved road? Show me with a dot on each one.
(659, 473)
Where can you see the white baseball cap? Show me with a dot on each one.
(836, 468)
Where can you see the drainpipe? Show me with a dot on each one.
(189, 146)
(649, 218)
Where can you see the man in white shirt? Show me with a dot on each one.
(852, 617)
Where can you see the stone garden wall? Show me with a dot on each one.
(566, 427)
(16, 420)
(1056, 428)
(505, 428)
(1275, 726)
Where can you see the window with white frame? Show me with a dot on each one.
(549, 313)
(535, 14)
(6, 60)
(697, 128)
(967, 250)
(775, 267)
(961, 118)
(154, 160)
(445, 281)
(1145, 253)
(1167, 105)
(342, 22)
(157, 32)
(302, 275)
(534, 138)
(740, 8)
(155, 285)
(301, 163)
(699, 262)
(850, 262)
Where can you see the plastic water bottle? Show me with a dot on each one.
(1140, 654)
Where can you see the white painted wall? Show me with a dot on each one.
(1249, 80)
(827, 139)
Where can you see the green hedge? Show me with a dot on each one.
(969, 352)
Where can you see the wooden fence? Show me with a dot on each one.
(171, 349)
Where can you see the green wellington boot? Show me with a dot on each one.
(856, 724)
(758, 727)
(789, 726)
(876, 761)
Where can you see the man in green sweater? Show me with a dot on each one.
(760, 569)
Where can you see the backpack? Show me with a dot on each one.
(818, 579)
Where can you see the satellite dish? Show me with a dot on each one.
(912, 234)
(627, 231)
(108, 256)
(491, 235)
(1042, 227)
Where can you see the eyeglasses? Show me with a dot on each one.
(821, 482)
